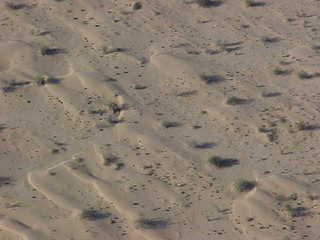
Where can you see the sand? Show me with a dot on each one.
(159, 120)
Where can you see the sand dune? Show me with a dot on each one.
(161, 120)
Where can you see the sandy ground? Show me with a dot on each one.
(159, 120)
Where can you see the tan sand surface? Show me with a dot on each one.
(159, 120)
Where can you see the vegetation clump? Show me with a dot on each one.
(170, 124)
(107, 50)
(243, 185)
(146, 223)
(15, 6)
(220, 162)
(253, 3)
(208, 3)
(209, 79)
(109, 159)
(47, 51)
(280, 71)
(93, 214)
(266, 39)
(296, 211)
(305, 75)
(303, 126)
(202, 145)
(136, 5)
(5, 181)
(236, 100)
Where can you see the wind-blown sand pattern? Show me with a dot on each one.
(141, 120)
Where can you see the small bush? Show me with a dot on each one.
(110, 79)
(47, 51)
(12, 86)
(93, 214)
(170, 124)
(109, 159)
(41, 79)
(272, 135)
(253, 3)
(305, 75)
(2, 127)
(9, 89)
(243, 185)
(223, 162)
(303, 126)
(119, 166)
(208, 3)
(107, 50)
(282, 198)
(152, 223)
(53, 80)
(249, 3)
(236, 101)
(209, 79)
(202, 145)
(100, 112)
(115, 108)
(139, 87)
(136, 5)
(5, 181)
(229, 46)
(280, 71)
(114, 120)
(15, 6)
(187, 93)
(266, 39)
(296, 211)
(271, 94)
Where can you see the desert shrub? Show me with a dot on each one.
(146, 223)
(220, 162)
(5, 181)
(202, 145)
(304, 126)
(236, 100)
(209, 79)
(109, 159)
(304, 75)
(208, 3)
(187, 93)
(280, 71)
(170, 124)
(266, 39)
(271, 94)
(48, 51)
(253, 3)
(41, 79)
(136, 5)
(138, 87)
(115, 108)
(107, 50)
(93, 214)
(316, 47)
(243, 185)
(296, 211)
(15, 6)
